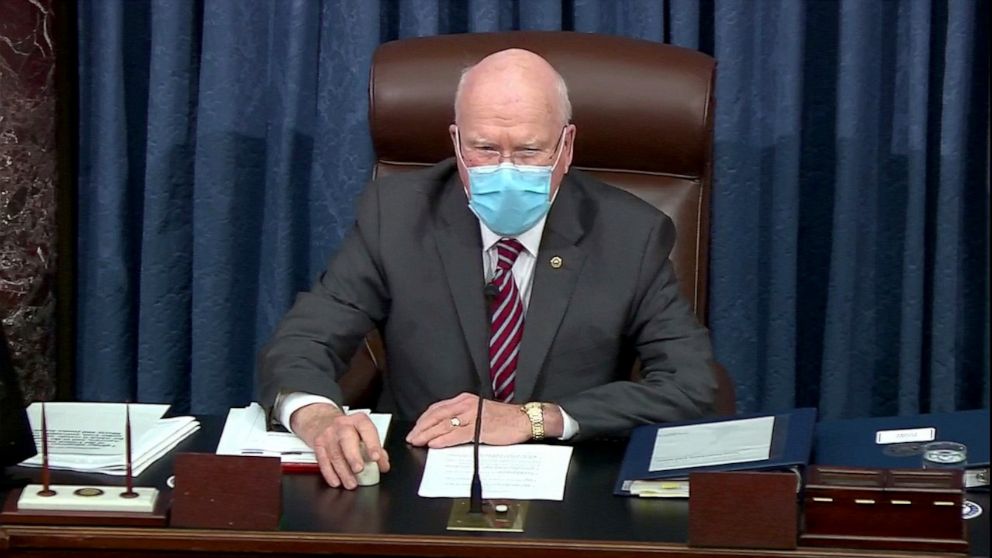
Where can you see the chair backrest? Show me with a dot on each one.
(643, 113)
(644, 118)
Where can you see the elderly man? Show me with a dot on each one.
(496, 273)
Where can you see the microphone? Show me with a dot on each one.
(472, 514)
(475, 497)
(490, 291)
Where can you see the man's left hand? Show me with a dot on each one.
(452, 421)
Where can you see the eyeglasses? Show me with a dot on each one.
(485, 155)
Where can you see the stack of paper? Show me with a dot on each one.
(245, 433)
(89, 437)
(670, 488)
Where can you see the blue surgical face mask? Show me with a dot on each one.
(509, 198)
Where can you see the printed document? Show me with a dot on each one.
(520, 472)
(714, 443)
(89, 437)
(91, 428)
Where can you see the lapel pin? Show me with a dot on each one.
(556, 262)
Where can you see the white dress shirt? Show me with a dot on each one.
(523, 274)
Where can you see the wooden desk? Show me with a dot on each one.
(391, 520)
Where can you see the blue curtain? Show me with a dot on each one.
(222, 144)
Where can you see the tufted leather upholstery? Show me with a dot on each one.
(643, 113)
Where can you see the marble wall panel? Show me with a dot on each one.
(27, 190)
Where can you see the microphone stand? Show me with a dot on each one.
(473, 514)
(475, 497)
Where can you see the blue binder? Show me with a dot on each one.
(851, 442)
(792, 440)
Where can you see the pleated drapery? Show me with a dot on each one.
(223, 144)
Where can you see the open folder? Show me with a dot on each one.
(747, 442)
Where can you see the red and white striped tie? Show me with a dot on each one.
(507, 327)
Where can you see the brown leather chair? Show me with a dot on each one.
(644, 115)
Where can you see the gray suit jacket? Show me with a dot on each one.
(412, 267)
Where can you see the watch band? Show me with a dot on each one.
(535, 412)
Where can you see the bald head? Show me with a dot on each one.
(513, 79)
(514, 103)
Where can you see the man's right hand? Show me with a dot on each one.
(335, 438)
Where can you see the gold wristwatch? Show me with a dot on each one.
(535, 412)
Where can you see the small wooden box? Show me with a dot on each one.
(893, 509)
(227, 492)
(743, 510)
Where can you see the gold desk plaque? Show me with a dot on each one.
(510, 521)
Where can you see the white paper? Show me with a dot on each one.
(171, 432)
(91, 428)
(659, 488)
(521, 472)
(245, 434)
(89, 437)
(174, 430)
(905, 435)
(715, 443)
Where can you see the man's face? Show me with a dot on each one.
(523, 125)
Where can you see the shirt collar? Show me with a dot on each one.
(530, 239)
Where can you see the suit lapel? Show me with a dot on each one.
(460, 246)
(556, 272)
